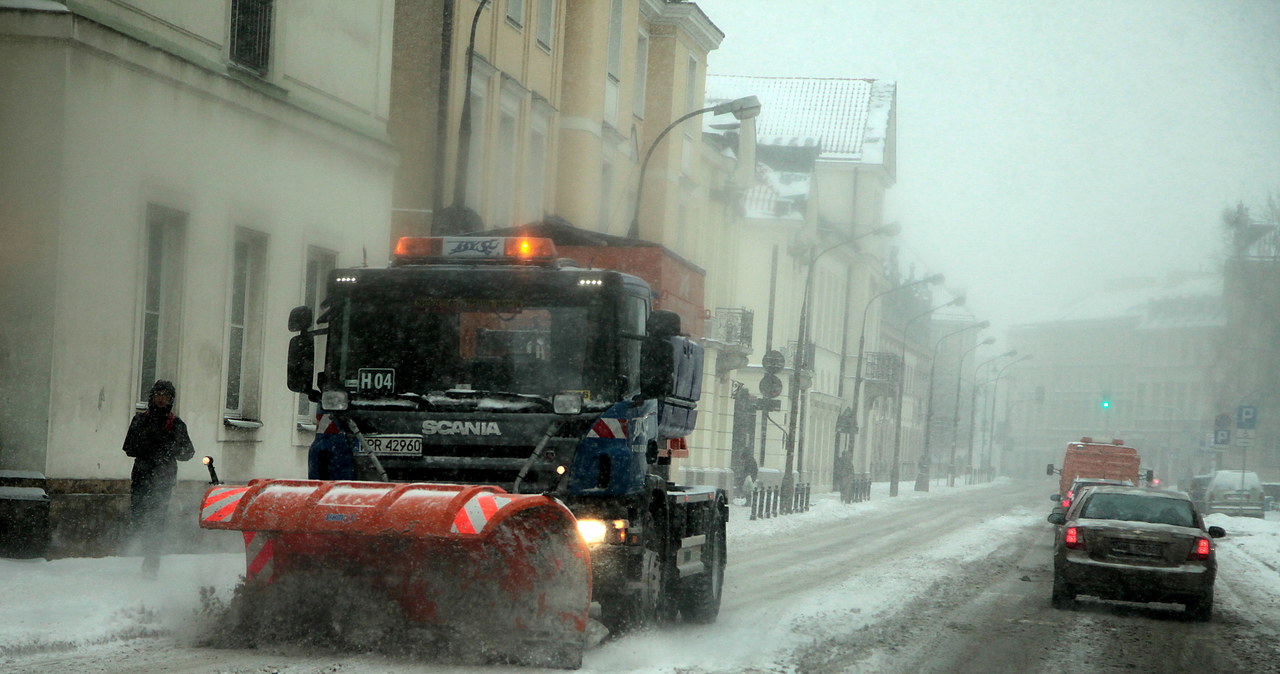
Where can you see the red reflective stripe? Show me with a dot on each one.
(224, 512)
(488, 506)
(259, 554)
(462, 522)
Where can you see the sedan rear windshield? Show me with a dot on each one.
(1137, 508)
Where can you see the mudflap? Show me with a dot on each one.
(504, 576)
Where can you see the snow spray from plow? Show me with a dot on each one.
(494, 566)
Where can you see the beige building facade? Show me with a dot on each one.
(177, 176)
(826, 155)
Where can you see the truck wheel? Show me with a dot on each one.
(699, 596)
(639, 609)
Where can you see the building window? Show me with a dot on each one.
(476, 151)
(162, 301)
(614, 74)
(320, 263)
(244, 325)
(250, 39)
(615, 39)
(508, 148)
(642, 74)
(546, 22)
(515, 12)
(535, 180)
(691, 85)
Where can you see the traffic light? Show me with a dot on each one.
(1106, 401)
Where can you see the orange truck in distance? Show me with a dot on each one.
(1100, 460)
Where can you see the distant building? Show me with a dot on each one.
(1140, 361)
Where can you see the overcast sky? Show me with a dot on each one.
(1044, 147)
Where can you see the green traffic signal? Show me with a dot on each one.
(1106, 404)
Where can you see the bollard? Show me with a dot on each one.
(771, 504)
(755, 502)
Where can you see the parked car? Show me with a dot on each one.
(1271, 493)
(1199, 491)
(1236, 492)
(1135, 544)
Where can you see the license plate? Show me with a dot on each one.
(393, 444)
(1138, 549)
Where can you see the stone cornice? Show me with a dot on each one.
(689, 18)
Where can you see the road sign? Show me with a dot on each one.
(1246, 417)
(770, 386)
(1222, 422)
(1245, 437)
(773, 361)
(1222, 437)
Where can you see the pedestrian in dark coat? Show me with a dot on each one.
(157, 440)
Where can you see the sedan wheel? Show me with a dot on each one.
(1201, 608)
(1063, 595)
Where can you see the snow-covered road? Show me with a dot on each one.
(924, 581)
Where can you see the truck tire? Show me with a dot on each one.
(699, 596)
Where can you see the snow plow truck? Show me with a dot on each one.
(515, 416)
(1100, 460)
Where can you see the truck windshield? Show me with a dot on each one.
(393, 340)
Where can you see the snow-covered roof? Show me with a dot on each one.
(777, 194)
(847, 118)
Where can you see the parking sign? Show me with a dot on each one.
(1246, 417)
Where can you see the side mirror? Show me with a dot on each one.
(1049, 470)
(300, 319)
(657, 363)
(1057, 518)
(301, 362)
(1217, 532)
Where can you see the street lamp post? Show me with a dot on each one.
(799, 363)
(741, 108)
(895, 470)
(862, 342)
(922, 475)
(973, 407)
(955, 417)
(995, 384)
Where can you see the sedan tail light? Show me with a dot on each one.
(1072, 539)
(1200, 550)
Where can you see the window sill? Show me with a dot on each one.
(242, 424)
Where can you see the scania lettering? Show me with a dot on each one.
(460, 428)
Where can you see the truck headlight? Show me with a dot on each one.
(592, 531)
(567, 403)
(601, 531)
(334, 400)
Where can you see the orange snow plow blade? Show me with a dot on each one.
(477, 558)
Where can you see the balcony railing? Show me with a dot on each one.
(882, 367)
(733, 327)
